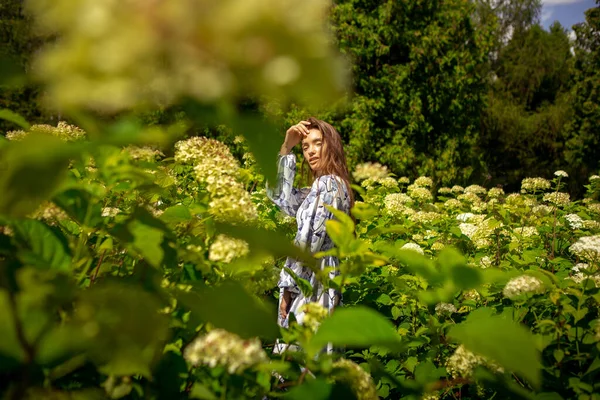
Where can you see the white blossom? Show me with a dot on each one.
(445, 309)
(226, 249)
(574, 220)
(522, 284)
(463, 362)
(222, 348)
(561, 174)
(587, 248)
(413, 247)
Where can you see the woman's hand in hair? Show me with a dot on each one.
(293, 136)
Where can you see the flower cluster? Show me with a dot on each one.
(395, 203)
(587, 248)
(574, 220)
(445, 190)
(476, 189)
(423, 181)
(420, 194)
(145, 153)
(50, 213)
(217, 169)
(495, 193)
(453, 204)
(558, 198)
(63, 131)
(463, 362)
(314, 314)
(413, 247)
(425, 217)
(370, 170)
(222, 348)
(358, 379)
(579, 275)
(457, 189)
(445, 309)
(110, 212)
(470, 198)
(532, 185)
(561, 174)
(521, 285)
(160, 51)
(226, 249)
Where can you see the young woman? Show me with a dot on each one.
(323, 152)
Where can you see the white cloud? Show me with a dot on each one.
(547, 13)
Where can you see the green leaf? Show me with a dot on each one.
(176, 214)
(230, 307)
(11, 351)
(40, 245)
(502, 340)
(31, 170)
(15, 118)
(356, 327)
(364, 211)
(465, 277)
(339, 233)
(81, 205)
(342, 217)
(147, 241)
(304, 285)
(200, 391)
(316, 389)
(272, 242)
(125, 330)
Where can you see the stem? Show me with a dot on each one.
(97, 268)
(19, 393)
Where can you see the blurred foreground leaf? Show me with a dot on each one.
(230, 307)
(40, 246)
(15, 118)
(511, 345)
(356, 327)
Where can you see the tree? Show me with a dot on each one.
(419, 83)
(583, 145)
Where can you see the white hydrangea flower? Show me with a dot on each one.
(110, 212)
(225, 249)
(222, 348)
(514, 199)
(526, 231)
(413, 247)
(445, 190)
(395, 203)
(370, 170)
(587, 248)
(522, 284)
(594, 207)
(388, 183)
(476, 189)
(468, 229)
(463, 362)
(574, 220)
(494, 193)
(594, 177)
(471, 295)
(542, 210)
(314, 314)
(404, 180)
(425, 217)
(579, 275)
(420, 194)
(464, 217)
(558, 198)
(437, 246)
(591, 225)
(453, 204)
(457, 189)
(445, 309)
(63, 131)
(358, 379)
(144, 153)
(485, 262)
(535, 184)
(561, 174)
(424, 181)
(469, 198)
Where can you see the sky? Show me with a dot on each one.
(567, 12)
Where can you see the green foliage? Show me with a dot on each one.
(419, 86)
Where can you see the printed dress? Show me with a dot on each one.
(308, 206)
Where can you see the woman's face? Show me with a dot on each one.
(312, 147)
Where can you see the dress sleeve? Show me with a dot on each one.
(284, 194)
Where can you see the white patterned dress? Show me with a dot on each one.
(308, 206)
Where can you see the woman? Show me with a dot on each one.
(323, 152)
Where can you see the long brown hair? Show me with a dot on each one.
(333, 158)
